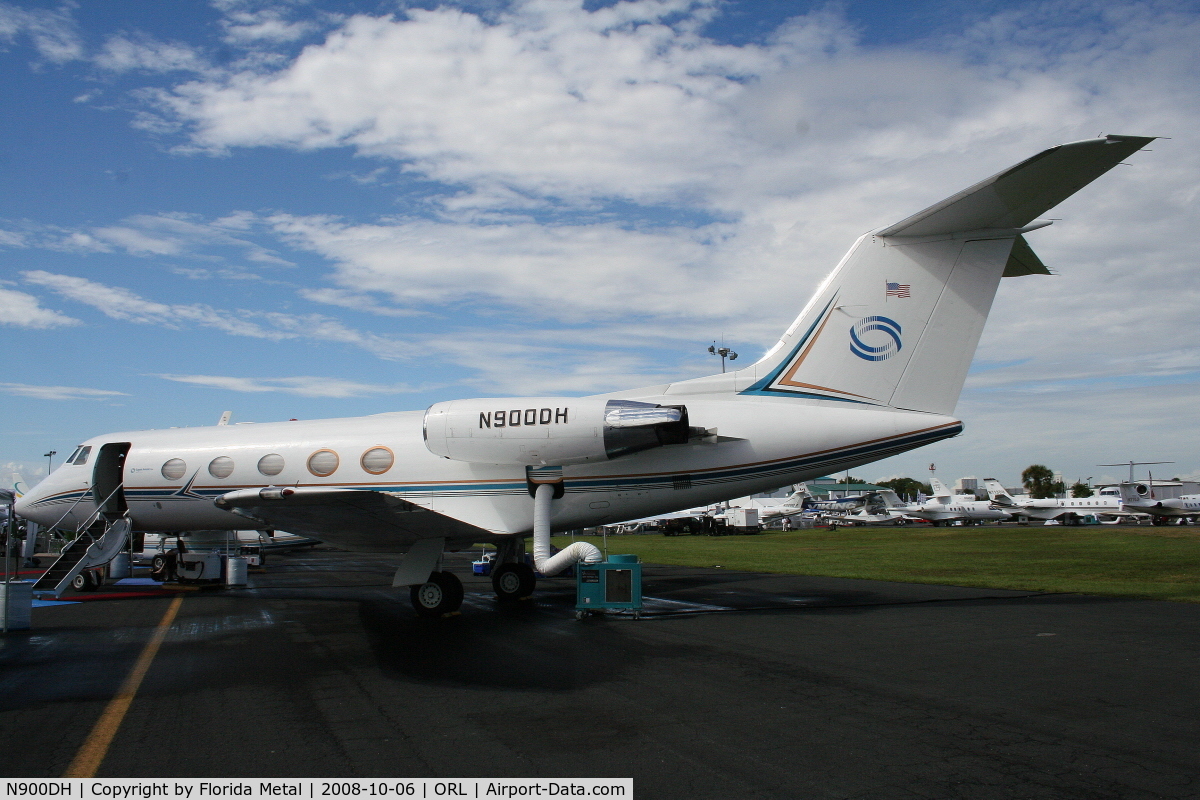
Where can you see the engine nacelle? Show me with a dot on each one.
(550, 430)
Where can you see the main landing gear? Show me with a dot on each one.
(513, 581)
(442, 592)
(512, 578)
(441, 595)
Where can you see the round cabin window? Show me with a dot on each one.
(173, 470)
(221, 467)
(271, 464)
(378, 460)
(323, 463)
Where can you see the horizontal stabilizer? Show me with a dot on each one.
(1020, 194)
(1023, 261)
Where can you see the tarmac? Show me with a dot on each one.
(732, 685)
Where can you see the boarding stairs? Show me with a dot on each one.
(95, 546)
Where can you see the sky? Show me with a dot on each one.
(325, 209)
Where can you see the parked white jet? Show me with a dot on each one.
(946, 507)
(1142, 498)
(1067, 510)
(771, 509)
(872, 508)
(873, 366)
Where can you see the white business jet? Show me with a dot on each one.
(873, 366)
(1066, 510)
(947, 507)
(771, 509)
(1144, 498)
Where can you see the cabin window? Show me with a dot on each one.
(323, 463)
(377, 460)
(173, 470)
(221, 467)
(83, 456)
(271, 464)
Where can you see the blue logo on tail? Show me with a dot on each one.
(890, 338)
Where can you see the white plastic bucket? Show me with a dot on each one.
(17, 599)
(236, 570)
(118, 568)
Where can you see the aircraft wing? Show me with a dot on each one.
(354, 518)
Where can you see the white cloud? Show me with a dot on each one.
(303, 385)
(355, 301)
(22, 310)
(124, 53)
(28, 471)
(556, 272)
(122, 304)
(247, 22)
(52, 31)
(58, 392)
(170, 235)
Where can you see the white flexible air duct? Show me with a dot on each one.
(542, 560)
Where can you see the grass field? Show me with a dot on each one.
(1162, 563)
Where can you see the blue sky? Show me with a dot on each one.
(328, 209)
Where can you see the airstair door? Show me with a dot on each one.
(108, 480)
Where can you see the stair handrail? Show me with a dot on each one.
(95, 515)
(91, 490)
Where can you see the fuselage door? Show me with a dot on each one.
(108, 479)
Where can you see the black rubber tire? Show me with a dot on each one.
(455, 588)
(513, 581)
(158, 563)
(442, 594)
(84, 582)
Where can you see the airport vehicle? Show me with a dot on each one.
(1106, 503)
(873, 366)
(947, 507)
(255, 544)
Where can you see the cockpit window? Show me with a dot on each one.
(83, 456)
(71, 458)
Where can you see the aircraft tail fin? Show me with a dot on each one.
(940, 490)
(890, 498)
(20, 487)
(1133, 493)
(997, 493)
(897, 322)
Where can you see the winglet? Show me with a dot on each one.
(1018, 195)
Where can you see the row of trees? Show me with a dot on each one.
(1039, 481)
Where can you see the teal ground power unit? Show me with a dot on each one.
(615, 583)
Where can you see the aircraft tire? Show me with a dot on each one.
(443, 594)
(513, 581)
(84, 582)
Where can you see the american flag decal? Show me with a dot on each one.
(896, 289)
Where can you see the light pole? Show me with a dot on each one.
(50, 460)
(723, 352)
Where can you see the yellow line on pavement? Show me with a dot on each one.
(95, 748)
